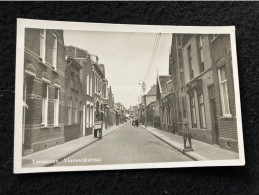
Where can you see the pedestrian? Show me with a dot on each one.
(136, 122)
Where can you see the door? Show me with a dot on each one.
(214, 119)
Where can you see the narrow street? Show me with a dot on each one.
(127, 145)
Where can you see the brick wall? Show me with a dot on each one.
(221, 55)
(36, 136)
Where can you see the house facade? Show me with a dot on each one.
(44, 87)
(73, 101)
(222, 93)
(163, 100)
(100, 89)
(87, 108)
(198, 78)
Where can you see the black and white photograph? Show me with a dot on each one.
(95, 96)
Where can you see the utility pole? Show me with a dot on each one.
(144, 87)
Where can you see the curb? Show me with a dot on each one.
(71, 153)
(193, 157)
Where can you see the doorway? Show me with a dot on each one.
(214, 119)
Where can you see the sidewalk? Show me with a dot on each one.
(201, 150)
(59, 152)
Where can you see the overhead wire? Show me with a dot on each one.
(153, 55)
(120, 48)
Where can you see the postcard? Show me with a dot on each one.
(95, 96)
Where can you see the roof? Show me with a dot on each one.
(162, 82)
(152, 91)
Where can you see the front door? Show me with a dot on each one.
(214, 119)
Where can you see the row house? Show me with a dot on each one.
(100, 89)
(203, 89)
(121, 112)
(110, 112)
(73, 101)
(179, 117)
(222, 93)
(86, 77)
(43, 91)
(150, 98)
(163, 103)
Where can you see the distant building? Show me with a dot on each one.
(110, 116)
(44, 86)
(164, 101)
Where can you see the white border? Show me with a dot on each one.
(28, 23)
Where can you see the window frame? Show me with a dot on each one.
(203, 122)
(193, 112)
(56, 107)
(69, 106)
(55, 52)
(44, 106)
(43, 45)
(225, 107)
(75, 112)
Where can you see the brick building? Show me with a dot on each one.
(100, 90)
(178, 97)
(73, 101)
(198, 77)
(110, 115)
(44, 84)
(222, 94)
(164, 102)
(88, 87)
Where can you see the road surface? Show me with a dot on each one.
(125, 145)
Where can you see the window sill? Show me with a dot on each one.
(54, 70)
(227, 116)
(42, 63)
(44, 127)
(56, 126)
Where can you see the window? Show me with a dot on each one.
(42, 44)
(87, 117)
(73, 80)
(87, 85)
(190, 61)
(202, 112)
(193, 113)
(69, 116)
(96, 85)
(200, 54)
(75, 112)
(54, 52)
(56, 107)
(184, 107)
(44, 107)
(180, 58)
(91, 86)
(223, 91)
(77, 82)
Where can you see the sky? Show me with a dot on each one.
(126, 57)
